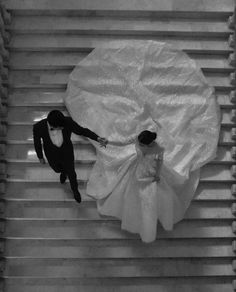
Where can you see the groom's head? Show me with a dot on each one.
(56, 119)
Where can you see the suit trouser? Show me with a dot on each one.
(67, 168)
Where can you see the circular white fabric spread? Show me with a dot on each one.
(122, 88)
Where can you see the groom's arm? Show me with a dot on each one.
(78, 130)
(37, 141)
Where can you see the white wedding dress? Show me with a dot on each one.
(124, 88)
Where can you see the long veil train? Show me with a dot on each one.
(119, 90)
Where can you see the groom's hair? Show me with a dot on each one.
(56, 119)
(146, 137)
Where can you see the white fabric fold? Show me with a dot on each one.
(126, 87)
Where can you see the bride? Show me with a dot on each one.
(162, 121)
(146, 192)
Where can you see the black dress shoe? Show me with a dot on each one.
(77, 196)
(63, 177)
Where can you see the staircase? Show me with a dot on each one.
(49, 243)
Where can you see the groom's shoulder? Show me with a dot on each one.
(69, 121)
(40, 124)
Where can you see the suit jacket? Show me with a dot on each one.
(52, 152)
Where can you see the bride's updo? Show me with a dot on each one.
(146, 137)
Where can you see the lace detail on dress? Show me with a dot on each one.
(146, 167)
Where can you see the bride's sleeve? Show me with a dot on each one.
(122, 142)
(78, 130)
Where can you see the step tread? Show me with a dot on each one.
(59, 79)
(84, 157)
(227, 122)
(29, 115)
(123, 5)
(42, 173)
(225, 139)
(118, 267)
(88, 211)
(65, 60)
(117, 25)
(29, 285)
(96, 229)
(23, 134)
(86, 153)
(49, 99)
(82, 152)
(31, 42)
(53, 191)
(45, 248)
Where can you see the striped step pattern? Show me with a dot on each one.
(5, 19)
(51, 243)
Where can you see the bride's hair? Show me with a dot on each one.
(146, 137)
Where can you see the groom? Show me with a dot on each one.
(55, 132)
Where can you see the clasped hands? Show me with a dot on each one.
(102, 141)
(156, 179)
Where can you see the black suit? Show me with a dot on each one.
(61, 159)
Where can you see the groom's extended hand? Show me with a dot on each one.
(102, 141)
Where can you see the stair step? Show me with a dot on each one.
(36, 171)
(81, 152)
(29, 115)
(56, 99)
(208, 7)
(118, 26)
(148, 284)
(72, 43)
(226, 137)
(67, 61)
(25, 171)
(117, 267)
(26, 135)
(50, 190)
(22, 134)
(87, 152)
(73, 248)
(54, 191)
(90, 229)
(88, 210)
(88, 158)
(39, 98)
(59, 79)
